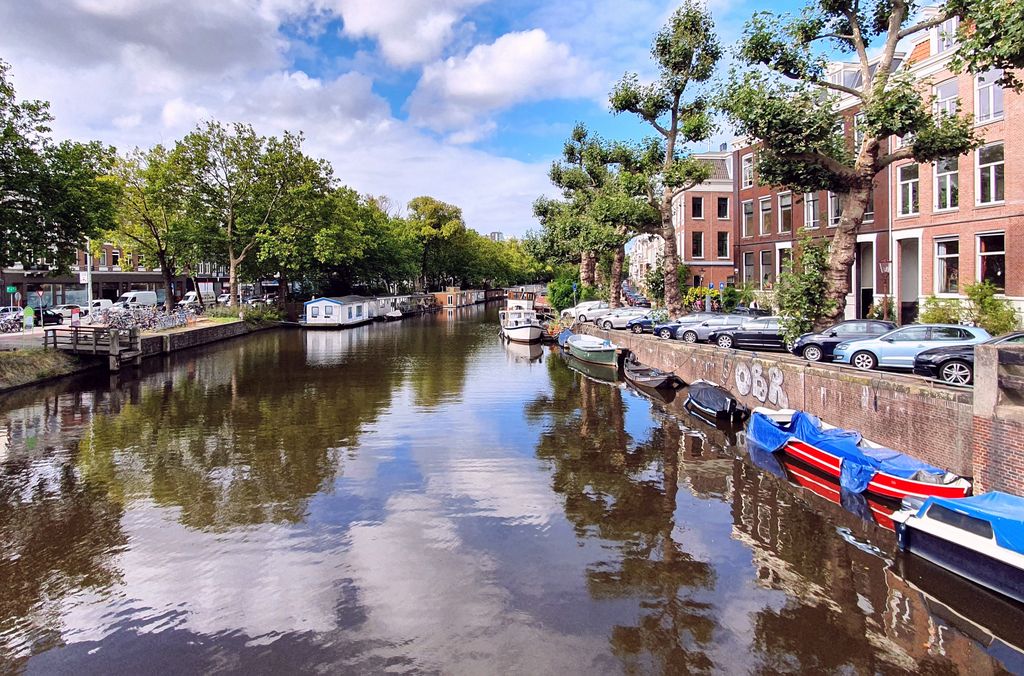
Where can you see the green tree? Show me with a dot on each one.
(685, 52)
(52, 195)
(801, 292)
(434, 224)
(784, 99)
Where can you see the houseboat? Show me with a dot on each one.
(337, 312)
(980, 538)
(454, 297)
(859, 465)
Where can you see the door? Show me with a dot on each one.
(866, 277)
(902, 346)
(910, 275)
(749, 333)
(770, 334)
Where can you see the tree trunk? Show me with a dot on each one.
(588, 271)
(232, 277)
(843, 250)
(670, 260)
(168, 276)
(616, 281)
(282, 290)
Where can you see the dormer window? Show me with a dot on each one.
(945, 35)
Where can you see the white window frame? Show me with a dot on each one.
(977, 175)
(936, 257)
(790, 196)
(328, 310)
(915, 187)
(938, 176)
(747, 171)
(779, 248)
(727, 208)
(812, 198)
(743, 217)
(761, 266)
(978, 255)
(697, 199)
(833, 199)
(946, 106)
(728, 244)
(761, 211)
(753, 267)
(314, 312)
(694, 234)
(988, 91)
(946, 28)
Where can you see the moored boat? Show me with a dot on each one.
(859, 465)
(980, 538)
(713, 402)
(520, 326)
(648, 377)
(593, 350)
(393, 315)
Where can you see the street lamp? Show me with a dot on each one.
(885, 266)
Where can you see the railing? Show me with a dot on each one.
(119, 345)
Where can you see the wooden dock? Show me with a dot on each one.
(120, 346)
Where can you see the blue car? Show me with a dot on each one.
(640, 324)
(897, 349)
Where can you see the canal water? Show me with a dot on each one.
(418, 497)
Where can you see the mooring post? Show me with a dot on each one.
(136, 339)
(115, 362)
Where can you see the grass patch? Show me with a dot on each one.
(22, 367)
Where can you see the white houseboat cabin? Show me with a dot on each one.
(337, 312)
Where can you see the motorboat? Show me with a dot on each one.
(392, 315)
(713, 402)
(606, 373)
(860, 465)
(593, 350)
(647, 377)
(980, 538)
(519, 321)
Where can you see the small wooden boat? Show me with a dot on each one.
(980, 538)
(646, 376)
(393, 315)
(713, 402)
(593, 350)
(606, 373)
(859, 465)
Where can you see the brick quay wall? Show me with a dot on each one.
(926, 420)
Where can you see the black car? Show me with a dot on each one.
(749, 311)
(955, 364)
(819, 346)
(763, 332)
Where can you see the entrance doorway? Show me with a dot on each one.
(910, 279)
(865, 277)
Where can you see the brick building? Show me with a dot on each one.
(703, 219)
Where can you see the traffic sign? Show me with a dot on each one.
(11, 289)
(17, 297)
(721, 286)
(711, 285)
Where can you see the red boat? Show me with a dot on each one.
(859, 465)
(829, 490)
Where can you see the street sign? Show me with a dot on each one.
(39, 293)
(76, 316)
(721, 286)
(17, 297)
(83, 277)
(28, 317)
(711, 285)
(574, 287)
(11, 289)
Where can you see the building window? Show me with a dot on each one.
(991, 174)
(786, 212)
(765, 205)
(449, 300)
(767, 270)
(748, 219)
(812, 210)
(747, 171)
(947, 265)
(945, 35)
(115, 257)
(359, 310)
(697, 207)
(947, 192)
(103, 257)
(328, 311)
(350, 312)
(869, 208)
(697, 244)
(723, 245)
(988, 104)
(835, 212)
(314, 311)
(992, 259)
(723, 207)
(785, 256)
(858, 131)
(909, 190)
(947, 98)
(748, 267)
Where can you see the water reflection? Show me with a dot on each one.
(418, 497)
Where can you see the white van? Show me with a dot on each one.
(100, 304)
(134, 299)
(192, 298)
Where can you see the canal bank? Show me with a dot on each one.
(941, 425)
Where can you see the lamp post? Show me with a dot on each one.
(884, 266)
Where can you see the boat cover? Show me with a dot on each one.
(713, 398)
(857, 464)
(585, 342)
(564, 336)
(1004, 511)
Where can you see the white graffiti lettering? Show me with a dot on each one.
(750, 380)
(743, 379)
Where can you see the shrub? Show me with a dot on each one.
(940, 311)
(221, 312)
(560, 293)
(698, 294)
(883, 309)
(995, 315)
(261, 314)
(801, 293)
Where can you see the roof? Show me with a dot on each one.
(1005, 512)
(922, 50)
(339, 300)
(719, 169)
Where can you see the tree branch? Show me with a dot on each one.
(858, 42)
(831, 164)
(904, 153)
(838, 87)
(937, 20)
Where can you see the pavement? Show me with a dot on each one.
(22, 340)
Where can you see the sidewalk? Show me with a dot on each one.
(22, 340)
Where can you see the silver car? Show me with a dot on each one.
(701, 331)
(619, 317)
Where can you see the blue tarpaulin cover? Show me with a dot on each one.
(858, 464)
(1004, 511)
(565, 335)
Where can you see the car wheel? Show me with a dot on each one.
(865, 361)
(608, 326)
(724, 341)
(956, 372)
(812, 353)
(637, 328)
(582, 318)
(665, 333)
(690, 337)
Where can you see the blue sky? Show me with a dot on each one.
(466, 100)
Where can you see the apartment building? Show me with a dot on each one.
(703, 220)
(644, 255)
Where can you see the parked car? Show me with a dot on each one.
(954, 364)
(134, 299)
(695, 333)
(764, 332)
(45, 316)
(224, 298)
(100, 304)
(585, 310)
(750, 311)
(9, 311)
(191, 299)
(640, 324)
(67, 308)
(670, 329)
(620, 317)
(819, 346)
(897, 349)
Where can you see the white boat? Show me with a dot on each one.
(392, 315)
(520, 325)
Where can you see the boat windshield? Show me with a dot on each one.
(971, 524)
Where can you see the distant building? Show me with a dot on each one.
(644, 255)
(496, 237)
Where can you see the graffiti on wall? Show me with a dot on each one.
(767, 388)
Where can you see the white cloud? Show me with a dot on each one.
(409, 32)
(455, 93)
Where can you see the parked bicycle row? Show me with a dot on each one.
(943, 352)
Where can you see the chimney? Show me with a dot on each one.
(723, 147)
